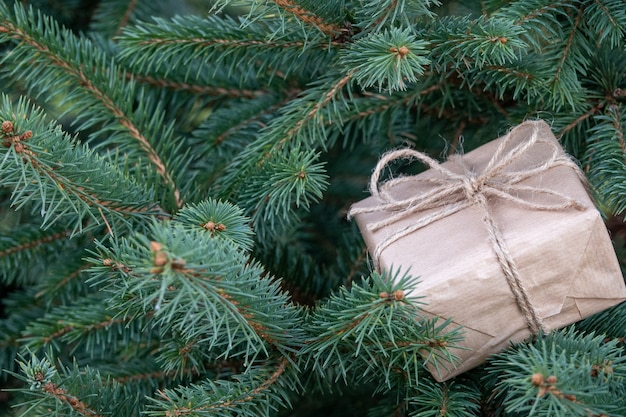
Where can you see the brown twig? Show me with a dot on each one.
(317, 107)
(581, 119)
(568, 46)
(308, 17)
(94, 326)
(65, 280)
(194, 88)
(229, 404)
(355, 267)
(77, 405)
(457, 137)
(254, 118)
(132, 4)
(34, 243)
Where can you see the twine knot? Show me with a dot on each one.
(452, 192)
(472, 186)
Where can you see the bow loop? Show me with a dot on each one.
(467, 187)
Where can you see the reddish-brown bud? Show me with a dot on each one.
(155, 246)
(403, 51)
(160, 258)
(537, 379)
(7, 127)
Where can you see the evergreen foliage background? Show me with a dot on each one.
(174, 179)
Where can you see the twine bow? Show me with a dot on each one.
(453, 192)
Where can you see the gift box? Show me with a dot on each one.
(505, 239)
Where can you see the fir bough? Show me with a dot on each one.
(174, 180)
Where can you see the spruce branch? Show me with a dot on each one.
(284, 185)
(282, 113)
(111, 16)
(65, 179)
(69, 58)
(364, 325)
(609, 323)
(217, 44)
(35, 243)
(21, 310)
(255, 118)
(565, 55)
(373, 15)
(230, 128)
(195, 88)
(195, 284)
(580, 119)
(253, 393)
(81, 324)
(24, 246)
(223, 221)
(561, 374)
(71, 391)
(451, 399)
(388, 60)
(64, 397)
(610, 17)
(53, 287)
(300, 124)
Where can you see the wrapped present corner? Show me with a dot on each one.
(505, 238)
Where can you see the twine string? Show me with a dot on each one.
(453, 192)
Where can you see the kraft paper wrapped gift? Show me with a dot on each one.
(505, 240)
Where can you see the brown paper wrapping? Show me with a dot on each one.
(565, 258)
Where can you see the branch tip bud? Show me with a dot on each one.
(7, 127)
